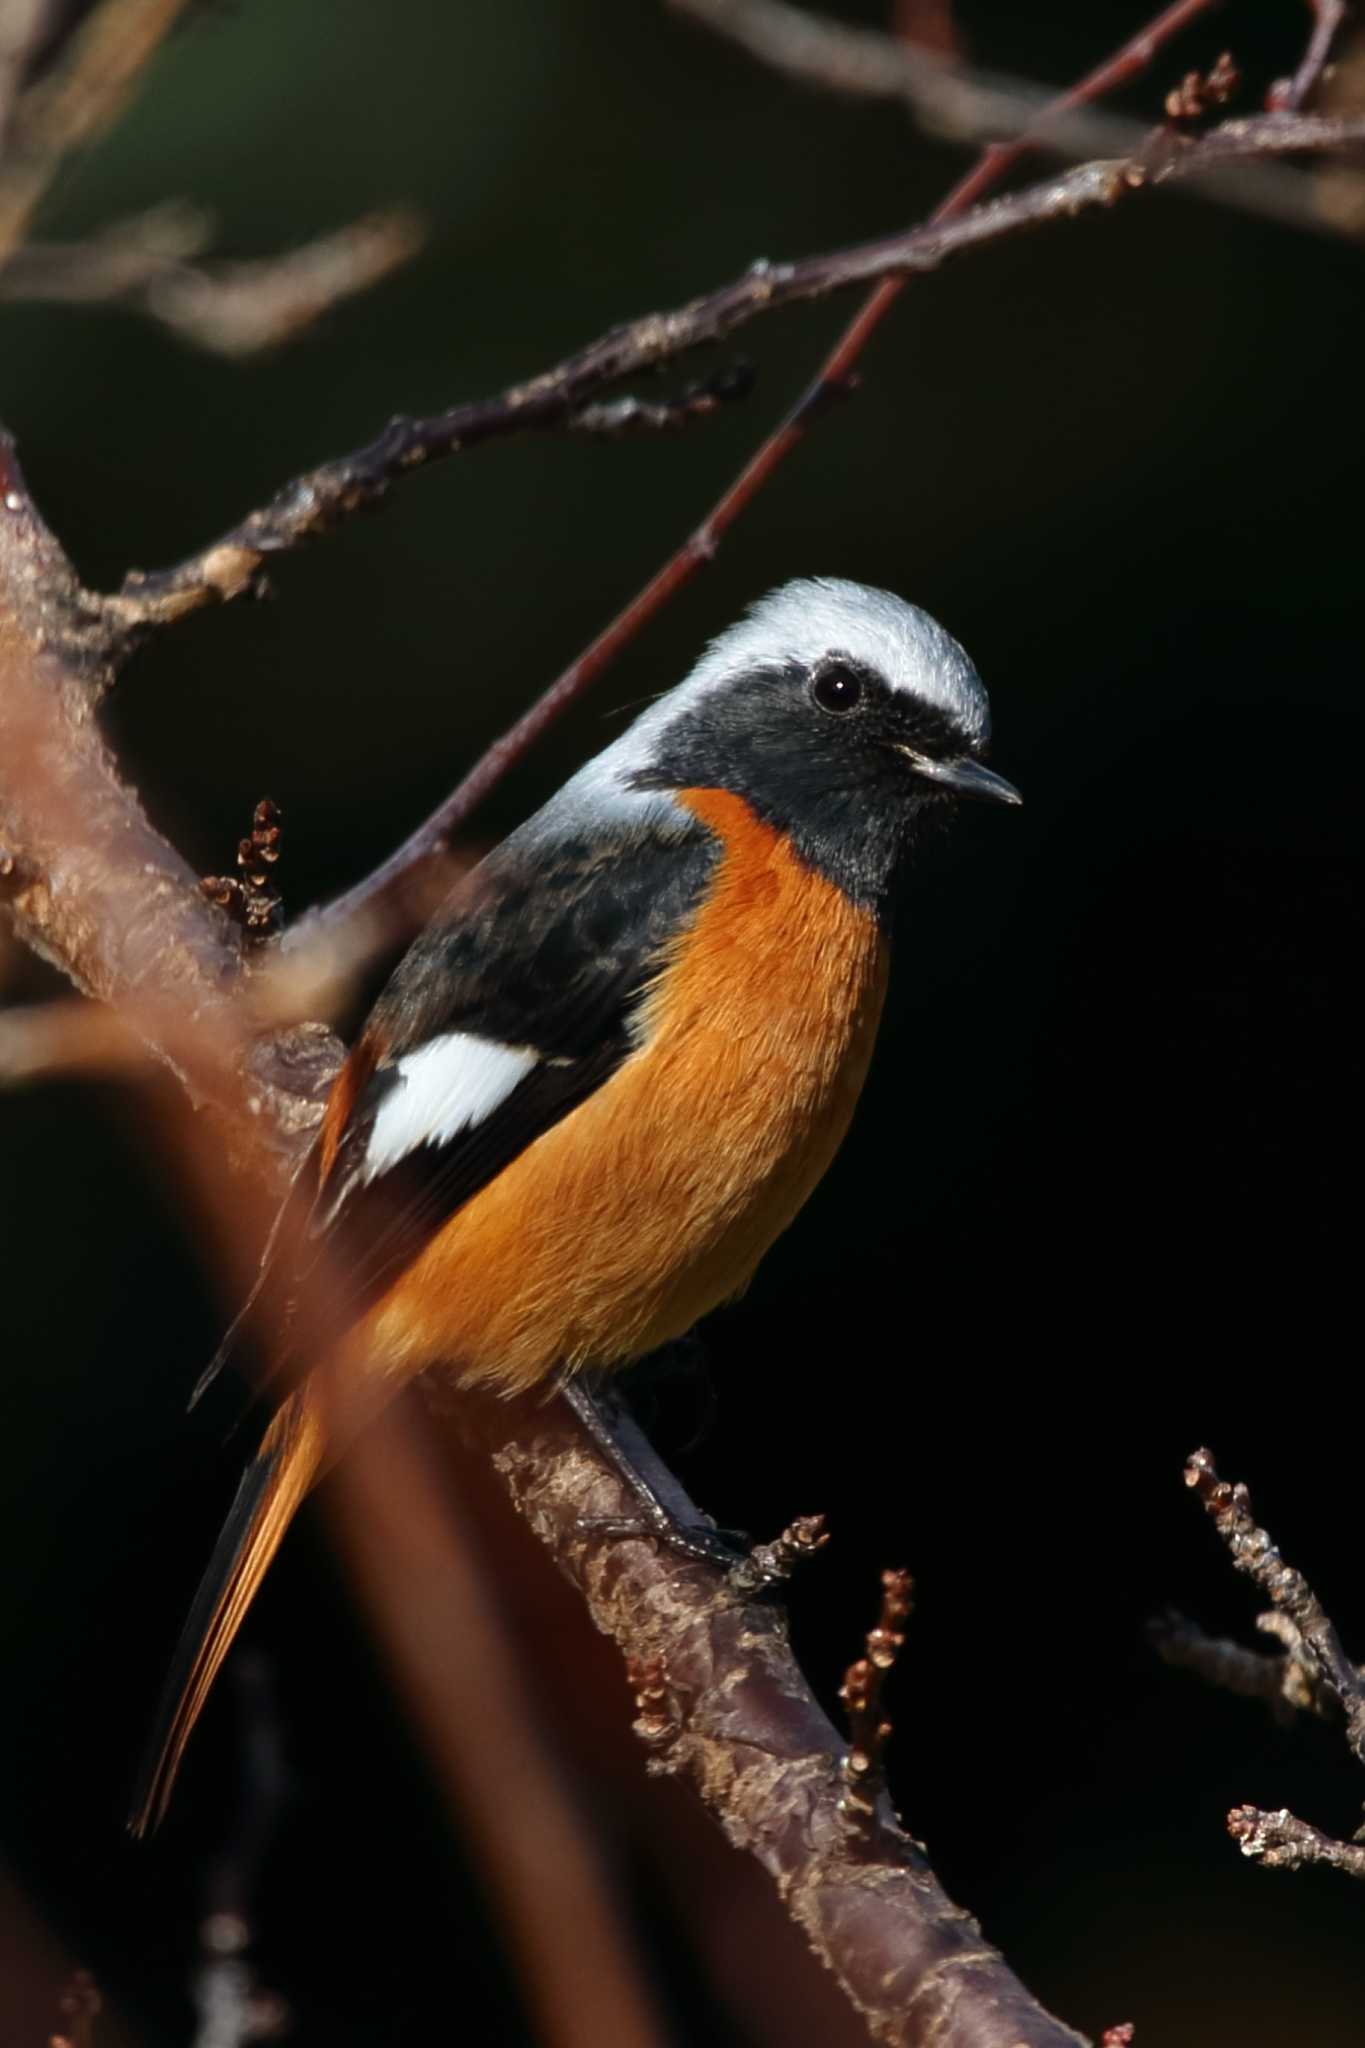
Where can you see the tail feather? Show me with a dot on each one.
(272, 1490)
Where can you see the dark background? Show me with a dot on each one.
(1100, 1205)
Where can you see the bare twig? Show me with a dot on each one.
(771, 1564)
(1095, 185)
(1314, 1671)
(1287, 1683)
(250, 897)
(86, 91)
(943, 96)
(1289, 94)
(1199, 93)
(567, 396)
(1281, 1841)
(233, 309)
(861, 1692)
(1252, 1552)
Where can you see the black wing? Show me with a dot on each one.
(546, 949)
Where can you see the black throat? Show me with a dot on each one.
(837, 788)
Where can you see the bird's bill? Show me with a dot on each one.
(964, 777)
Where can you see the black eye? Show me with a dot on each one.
(836, 687)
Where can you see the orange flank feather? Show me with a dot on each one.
(657, 1197)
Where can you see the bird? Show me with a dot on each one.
(609, 1072)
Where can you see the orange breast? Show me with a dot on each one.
(657, 1197)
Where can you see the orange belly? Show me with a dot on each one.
(657, 1197)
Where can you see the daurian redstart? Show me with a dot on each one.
(613, 1067)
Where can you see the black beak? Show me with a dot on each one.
(964, 777)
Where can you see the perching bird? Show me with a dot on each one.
(611, 1070)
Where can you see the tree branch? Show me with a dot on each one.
(725, 1705)
(95, 889)
(1252, 1552)
(891, 261)
(1315, 1671)
(1281, 1841)
(559, 398)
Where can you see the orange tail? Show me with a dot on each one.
(272, 1490)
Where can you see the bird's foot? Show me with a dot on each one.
(700, 1542)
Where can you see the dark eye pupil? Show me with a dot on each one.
(836, 688)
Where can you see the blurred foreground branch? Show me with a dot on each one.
(85, 90)
(147, 265)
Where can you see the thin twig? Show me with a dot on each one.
(250, 898)
(232, 309)
(1315, 1671)
(1281, 1841)
(1287, 1683)
(1289, 94)
(1089, 186)
(568, 395)
(1253, 1552)
(944, 97)
(864, 1768)
(69, 107)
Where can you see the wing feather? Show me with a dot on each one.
(507, 1013)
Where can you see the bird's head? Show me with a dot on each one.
(840, 713)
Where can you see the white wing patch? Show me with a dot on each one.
(445, 1087)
